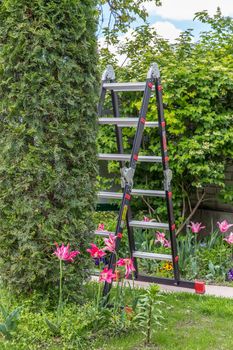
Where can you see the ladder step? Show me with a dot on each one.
(103, 233)
(124, 122)
(155, 256)
(125, 86)
(126, 157)
(149, 224)
(135, 192)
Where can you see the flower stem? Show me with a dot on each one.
(60, 292)
(99, 289)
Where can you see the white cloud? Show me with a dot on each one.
(185, 9)
(167, 30)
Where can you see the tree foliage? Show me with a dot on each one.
(48, 88)
(120, 14)
(198, 86)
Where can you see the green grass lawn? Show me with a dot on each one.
(191, 322)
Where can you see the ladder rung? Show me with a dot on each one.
(148, 224)
(124, 122)
(155, 256)
(135, 192)
(126, 157)
(148, 193)
(125, 86)
(103, 233)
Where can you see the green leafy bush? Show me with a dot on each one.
(48, 88)
(197, 84)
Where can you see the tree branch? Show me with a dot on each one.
(191, 214)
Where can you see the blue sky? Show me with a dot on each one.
(175, 16)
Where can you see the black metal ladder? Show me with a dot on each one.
(152, 84)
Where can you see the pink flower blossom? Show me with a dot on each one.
(196, 227)
(167, 244)
(229, 239)
(100, 227)
(224, 226)
(128, 263)
(145, 218)
(107, 275)
(110, 243)
(63, 253)
(95, 252)
(160, 237)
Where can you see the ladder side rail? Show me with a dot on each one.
(101, 100)
(120, 147)
(121, 222)
(141, 124)
(167, 176)
(125, 210)
(125, 214)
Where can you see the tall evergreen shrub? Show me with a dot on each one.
(48, 90)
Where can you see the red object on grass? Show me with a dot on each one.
(199, 287)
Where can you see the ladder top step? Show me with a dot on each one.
(126, 157)
(149, 224)
(155, 256)
(139, 86)
(103, 233)
(122, 122)
(135, 192)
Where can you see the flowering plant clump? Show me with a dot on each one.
(160, 238)
(110, 243)
(128, 264)
(229, 239)
(95, 252)
(224, 226)
(196, 227)
(64, 253)
(107, 275)
(167, 266)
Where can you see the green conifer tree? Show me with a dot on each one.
(48, 91)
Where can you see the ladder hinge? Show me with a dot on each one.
(167, 179)
(108, 74)
(127, 175)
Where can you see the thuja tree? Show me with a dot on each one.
(48, 88)
(197, 86)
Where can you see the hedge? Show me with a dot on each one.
(48, 88)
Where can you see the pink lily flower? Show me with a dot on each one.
(63, 253)
(110, 243)
(196, 227)
(107, 275)
(95, 252)
(224, 226)
(160, 237)
(145, 218)
(229, 239)
(167, 243)
(128, 263)
(100, 227)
